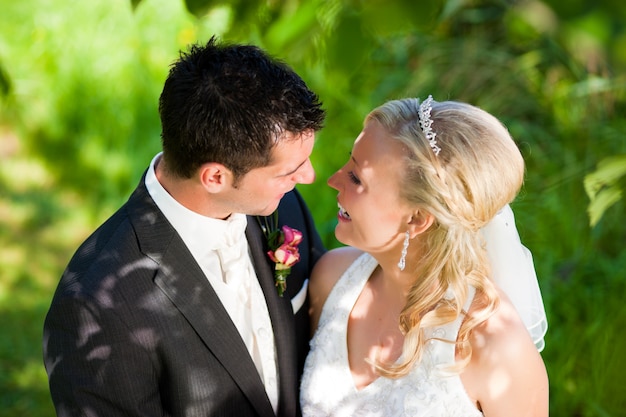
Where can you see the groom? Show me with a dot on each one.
(170, 308)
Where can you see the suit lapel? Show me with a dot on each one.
(184, 283)
(203, 310)
(281, 316)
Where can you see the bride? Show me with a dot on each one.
(434, 308)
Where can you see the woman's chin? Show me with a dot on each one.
(341, 235)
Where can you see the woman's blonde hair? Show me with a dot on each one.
(477, 172)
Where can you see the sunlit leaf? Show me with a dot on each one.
(609, 171)
(602, 201)
(602, 186)
(290, 27)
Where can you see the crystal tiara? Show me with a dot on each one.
(426, 123)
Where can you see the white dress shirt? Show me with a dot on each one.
(221, 249)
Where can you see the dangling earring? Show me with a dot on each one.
(405, 246)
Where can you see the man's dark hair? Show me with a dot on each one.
(229, 103)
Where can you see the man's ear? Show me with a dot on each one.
(420, 222)
(215, 177)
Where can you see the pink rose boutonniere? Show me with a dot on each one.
(283, 244)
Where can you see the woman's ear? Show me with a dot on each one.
(420, 222)
(215, 177)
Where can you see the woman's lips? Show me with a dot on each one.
(343, 214)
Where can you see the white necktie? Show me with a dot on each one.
(255, 329)
(231, 251)
(235, 274)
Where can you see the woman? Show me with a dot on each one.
(408, 320)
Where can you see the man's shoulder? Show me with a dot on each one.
(104, 254)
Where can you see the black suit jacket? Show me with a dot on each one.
(135, 328)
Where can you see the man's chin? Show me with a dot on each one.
(268, 210)
(270, 207)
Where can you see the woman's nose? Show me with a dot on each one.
(333, 181)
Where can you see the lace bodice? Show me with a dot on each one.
(328, 387)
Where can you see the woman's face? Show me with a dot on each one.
(371, 215)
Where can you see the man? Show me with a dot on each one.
(169, 308)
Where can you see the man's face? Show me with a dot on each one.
(259, 191)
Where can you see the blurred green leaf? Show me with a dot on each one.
(81, 123)
(602, 186)
(5, 81)
(602, 201)
(385, 18)
(349, 44)
(198, 7)
(135, 3)
(290, 27)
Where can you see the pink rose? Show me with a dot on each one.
(283, 251)
(293, 237)
(285, 255)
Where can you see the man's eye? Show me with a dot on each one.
(354, 178)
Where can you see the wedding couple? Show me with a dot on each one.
(176, 305)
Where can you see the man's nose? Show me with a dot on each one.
(306, 174)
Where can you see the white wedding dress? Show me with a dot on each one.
(328, 389)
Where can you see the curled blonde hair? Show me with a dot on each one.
(477, 172)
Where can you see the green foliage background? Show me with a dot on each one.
(79, 83)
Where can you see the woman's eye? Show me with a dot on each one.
(354, 178)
